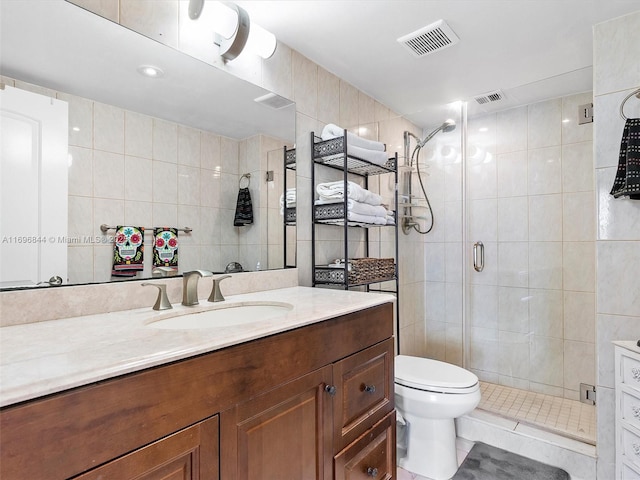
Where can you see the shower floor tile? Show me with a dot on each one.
(559, 415)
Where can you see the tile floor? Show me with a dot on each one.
(569, 418)
(560, 415)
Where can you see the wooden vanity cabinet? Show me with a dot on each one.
(288, 406)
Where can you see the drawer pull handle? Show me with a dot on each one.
(636, 411)
(635, 373)
(370, 388)
(330, 389)
(636, 449)
(372, 472)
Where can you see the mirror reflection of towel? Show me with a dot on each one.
(244, 209)
(128, 251)
(165, 247)
(627, 182)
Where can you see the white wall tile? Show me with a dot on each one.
(544, 127)
(546, 312)
(513, 174)
(545, 170)
(108, 128)
(513, 309)
(545, 218)
(513, 219)
(578, 217)
(108, 175)
(579, 270)
(545, 265)
(579, 316)
(513, 264)
(138, 179)
(618, 267)
(512, 130)
(614, 53)
(165, 182)
(546, 358)
(138, 135)
(81, 171)
(165, 141)
(577, 167)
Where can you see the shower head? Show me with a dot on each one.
(447, 126)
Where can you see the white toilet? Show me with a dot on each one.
(429, 395)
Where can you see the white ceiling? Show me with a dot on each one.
(530, 49)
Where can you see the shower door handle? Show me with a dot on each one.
(478, 256)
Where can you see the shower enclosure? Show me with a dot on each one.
(515, 189)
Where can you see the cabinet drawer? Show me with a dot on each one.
(631, 372)
(370, 456)
(631, 447)
(631, 409)
(364, 392)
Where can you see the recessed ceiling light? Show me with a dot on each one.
(150, 71)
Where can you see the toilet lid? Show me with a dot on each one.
(433, 375)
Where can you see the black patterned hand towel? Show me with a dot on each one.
(165, 247)
(128, 251)
(627, 182)
(244, 209)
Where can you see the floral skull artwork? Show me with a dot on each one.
(166, 245)
(128, 239)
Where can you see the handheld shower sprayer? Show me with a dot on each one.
(409, 221)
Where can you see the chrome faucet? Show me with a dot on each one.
(216, 294)
(190, 286)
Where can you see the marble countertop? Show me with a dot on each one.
(41, 358)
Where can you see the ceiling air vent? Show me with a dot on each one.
(490, 97)
(429, 39)
(273, 100)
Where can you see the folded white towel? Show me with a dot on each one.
(335, 191)
(372, 156)
(332, 131)
(357, 217)
(358, 207)
(290, 198)
(391, 220)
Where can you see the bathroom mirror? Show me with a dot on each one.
(192, 132)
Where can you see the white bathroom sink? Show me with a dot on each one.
(218, 316)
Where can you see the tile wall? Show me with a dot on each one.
(616, 74)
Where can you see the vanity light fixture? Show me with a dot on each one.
(234, 32)
(150, 71)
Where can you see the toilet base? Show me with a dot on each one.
(431, 448)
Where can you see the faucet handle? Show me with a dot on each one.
(162, 302)
(202, 273)
(216, 294)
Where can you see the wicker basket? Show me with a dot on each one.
(369, 270)
(363, 270)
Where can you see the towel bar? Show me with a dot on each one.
(105, 228)
(636, 93)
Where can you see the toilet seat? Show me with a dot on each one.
(433, 376)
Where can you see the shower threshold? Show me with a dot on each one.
(562, 416)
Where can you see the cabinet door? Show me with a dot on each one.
(284, 434)
(370, 456)
(190, 454)
(364, 392)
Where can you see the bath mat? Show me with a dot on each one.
(485, 462)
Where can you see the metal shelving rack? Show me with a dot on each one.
(289, 158)
(333, 154)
